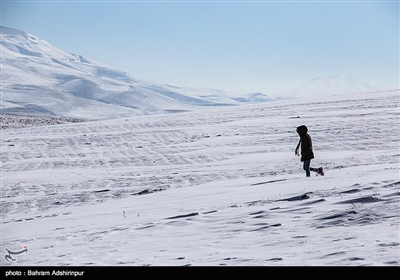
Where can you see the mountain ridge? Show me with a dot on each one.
(41, 79)
(37, 75)
(336, 85)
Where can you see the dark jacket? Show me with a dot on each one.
(306, 143)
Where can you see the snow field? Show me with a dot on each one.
(215, 187)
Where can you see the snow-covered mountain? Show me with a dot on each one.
(334, 85)
(39, 78)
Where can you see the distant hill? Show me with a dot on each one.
(40, 79)
(335, 85)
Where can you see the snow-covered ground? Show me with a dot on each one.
(213, 187)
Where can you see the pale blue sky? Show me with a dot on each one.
(239, 46)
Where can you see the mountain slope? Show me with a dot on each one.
(40, 78)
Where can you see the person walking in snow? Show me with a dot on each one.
(307, 154)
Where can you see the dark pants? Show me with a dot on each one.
(307, 168)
